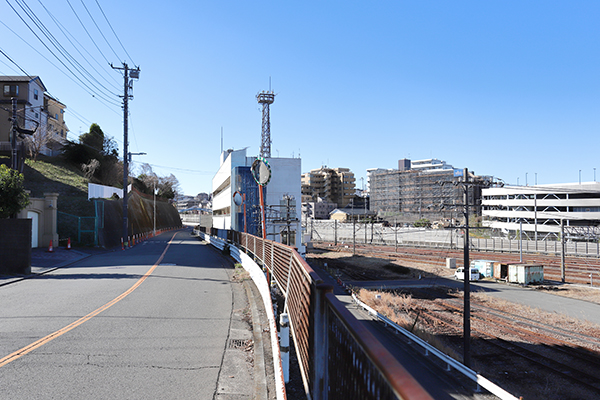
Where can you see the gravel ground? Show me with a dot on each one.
(508, 372)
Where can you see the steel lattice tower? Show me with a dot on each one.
(265, 98)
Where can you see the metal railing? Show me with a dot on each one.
(338, 357)
(429, 349)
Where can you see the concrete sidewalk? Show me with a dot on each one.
(43, 261)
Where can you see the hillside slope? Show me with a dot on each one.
(53, 175)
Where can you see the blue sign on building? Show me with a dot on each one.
(245, 183)
(458, 172)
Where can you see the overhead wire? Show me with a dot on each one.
(86, 31)
(113, 31)
(99, 30)
(12, 68)
(64, 52)
(14, 62)
(92, 89)
(191, 171)
(87, 88)
(68, 35)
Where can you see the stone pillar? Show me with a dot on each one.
(50, 220)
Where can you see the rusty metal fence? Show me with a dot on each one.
(339, 358)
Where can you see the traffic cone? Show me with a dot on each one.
(69, 244)
(50, 248)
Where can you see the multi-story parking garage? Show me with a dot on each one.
(538, 210)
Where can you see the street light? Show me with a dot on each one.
(125, 184)
(134, 154)
(154, 214)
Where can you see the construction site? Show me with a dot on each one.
(436, 194)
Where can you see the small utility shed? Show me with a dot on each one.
(525, 274)
(485, 267)
(349, 214)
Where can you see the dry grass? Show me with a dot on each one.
(240, 274)
(573, 291)
(398, 308)
(535, 314)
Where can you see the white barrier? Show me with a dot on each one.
(96, 191)
(259, 279)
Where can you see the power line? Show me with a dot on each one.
(113, 31)
(12, 61)
(76, 65)
(192, 171)
(103, 97)
(88, 33)
(70, 36)
(54, 65)
(99, 30)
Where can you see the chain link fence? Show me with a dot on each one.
(347, 233)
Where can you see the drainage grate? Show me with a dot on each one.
(240, 343)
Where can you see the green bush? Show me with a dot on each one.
(422, 223)
(13, 197)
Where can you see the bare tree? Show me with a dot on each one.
(37, 142)
(168, 186)
(148, 176)
(90, 168)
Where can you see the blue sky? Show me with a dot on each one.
(505, 88)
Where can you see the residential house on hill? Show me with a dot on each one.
(37, 112)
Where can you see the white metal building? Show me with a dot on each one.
(284, 184)
(539, 209)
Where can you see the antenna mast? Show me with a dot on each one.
(266, 98)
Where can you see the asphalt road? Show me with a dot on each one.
(149, 322)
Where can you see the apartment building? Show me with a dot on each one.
(37, 112)
(332, 185)
(56, 128)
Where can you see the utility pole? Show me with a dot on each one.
(562, 250)
(135, 73)
(466, 184)
(467, 279)
(13, 137)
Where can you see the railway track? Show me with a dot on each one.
(577, 269)
(535, 353)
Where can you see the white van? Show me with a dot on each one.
(460, 274)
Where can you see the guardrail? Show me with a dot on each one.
(338, 357)
(450, 362)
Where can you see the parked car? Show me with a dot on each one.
(460, 274)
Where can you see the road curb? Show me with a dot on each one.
(260, 379)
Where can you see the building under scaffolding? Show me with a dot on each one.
(407, 194)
